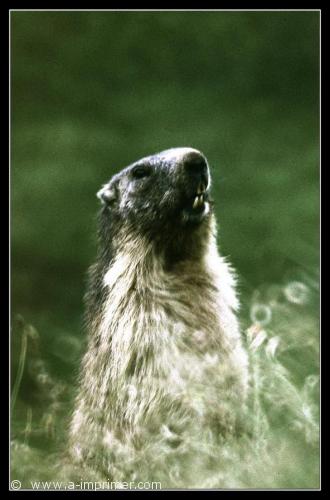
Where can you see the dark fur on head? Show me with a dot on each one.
(154, 197)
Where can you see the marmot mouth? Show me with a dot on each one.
(198, 204)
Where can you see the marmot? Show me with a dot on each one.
(164, 355)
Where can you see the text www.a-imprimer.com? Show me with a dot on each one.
(96, 485)
(88, 485)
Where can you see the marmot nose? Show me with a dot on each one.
(195, 165)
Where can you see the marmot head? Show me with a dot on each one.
(164, 196)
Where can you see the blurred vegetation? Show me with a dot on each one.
(93, 91)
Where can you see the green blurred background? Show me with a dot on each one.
(92, 92)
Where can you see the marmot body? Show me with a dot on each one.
(164, 352)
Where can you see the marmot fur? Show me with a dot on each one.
(164, 354)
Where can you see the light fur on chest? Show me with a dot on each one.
(165, 335)
(165, 352)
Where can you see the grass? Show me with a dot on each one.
(278, 449)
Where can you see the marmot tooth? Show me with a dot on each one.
(196, 202)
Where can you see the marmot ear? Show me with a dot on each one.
(107, 194)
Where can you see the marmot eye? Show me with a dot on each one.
(141, 171)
